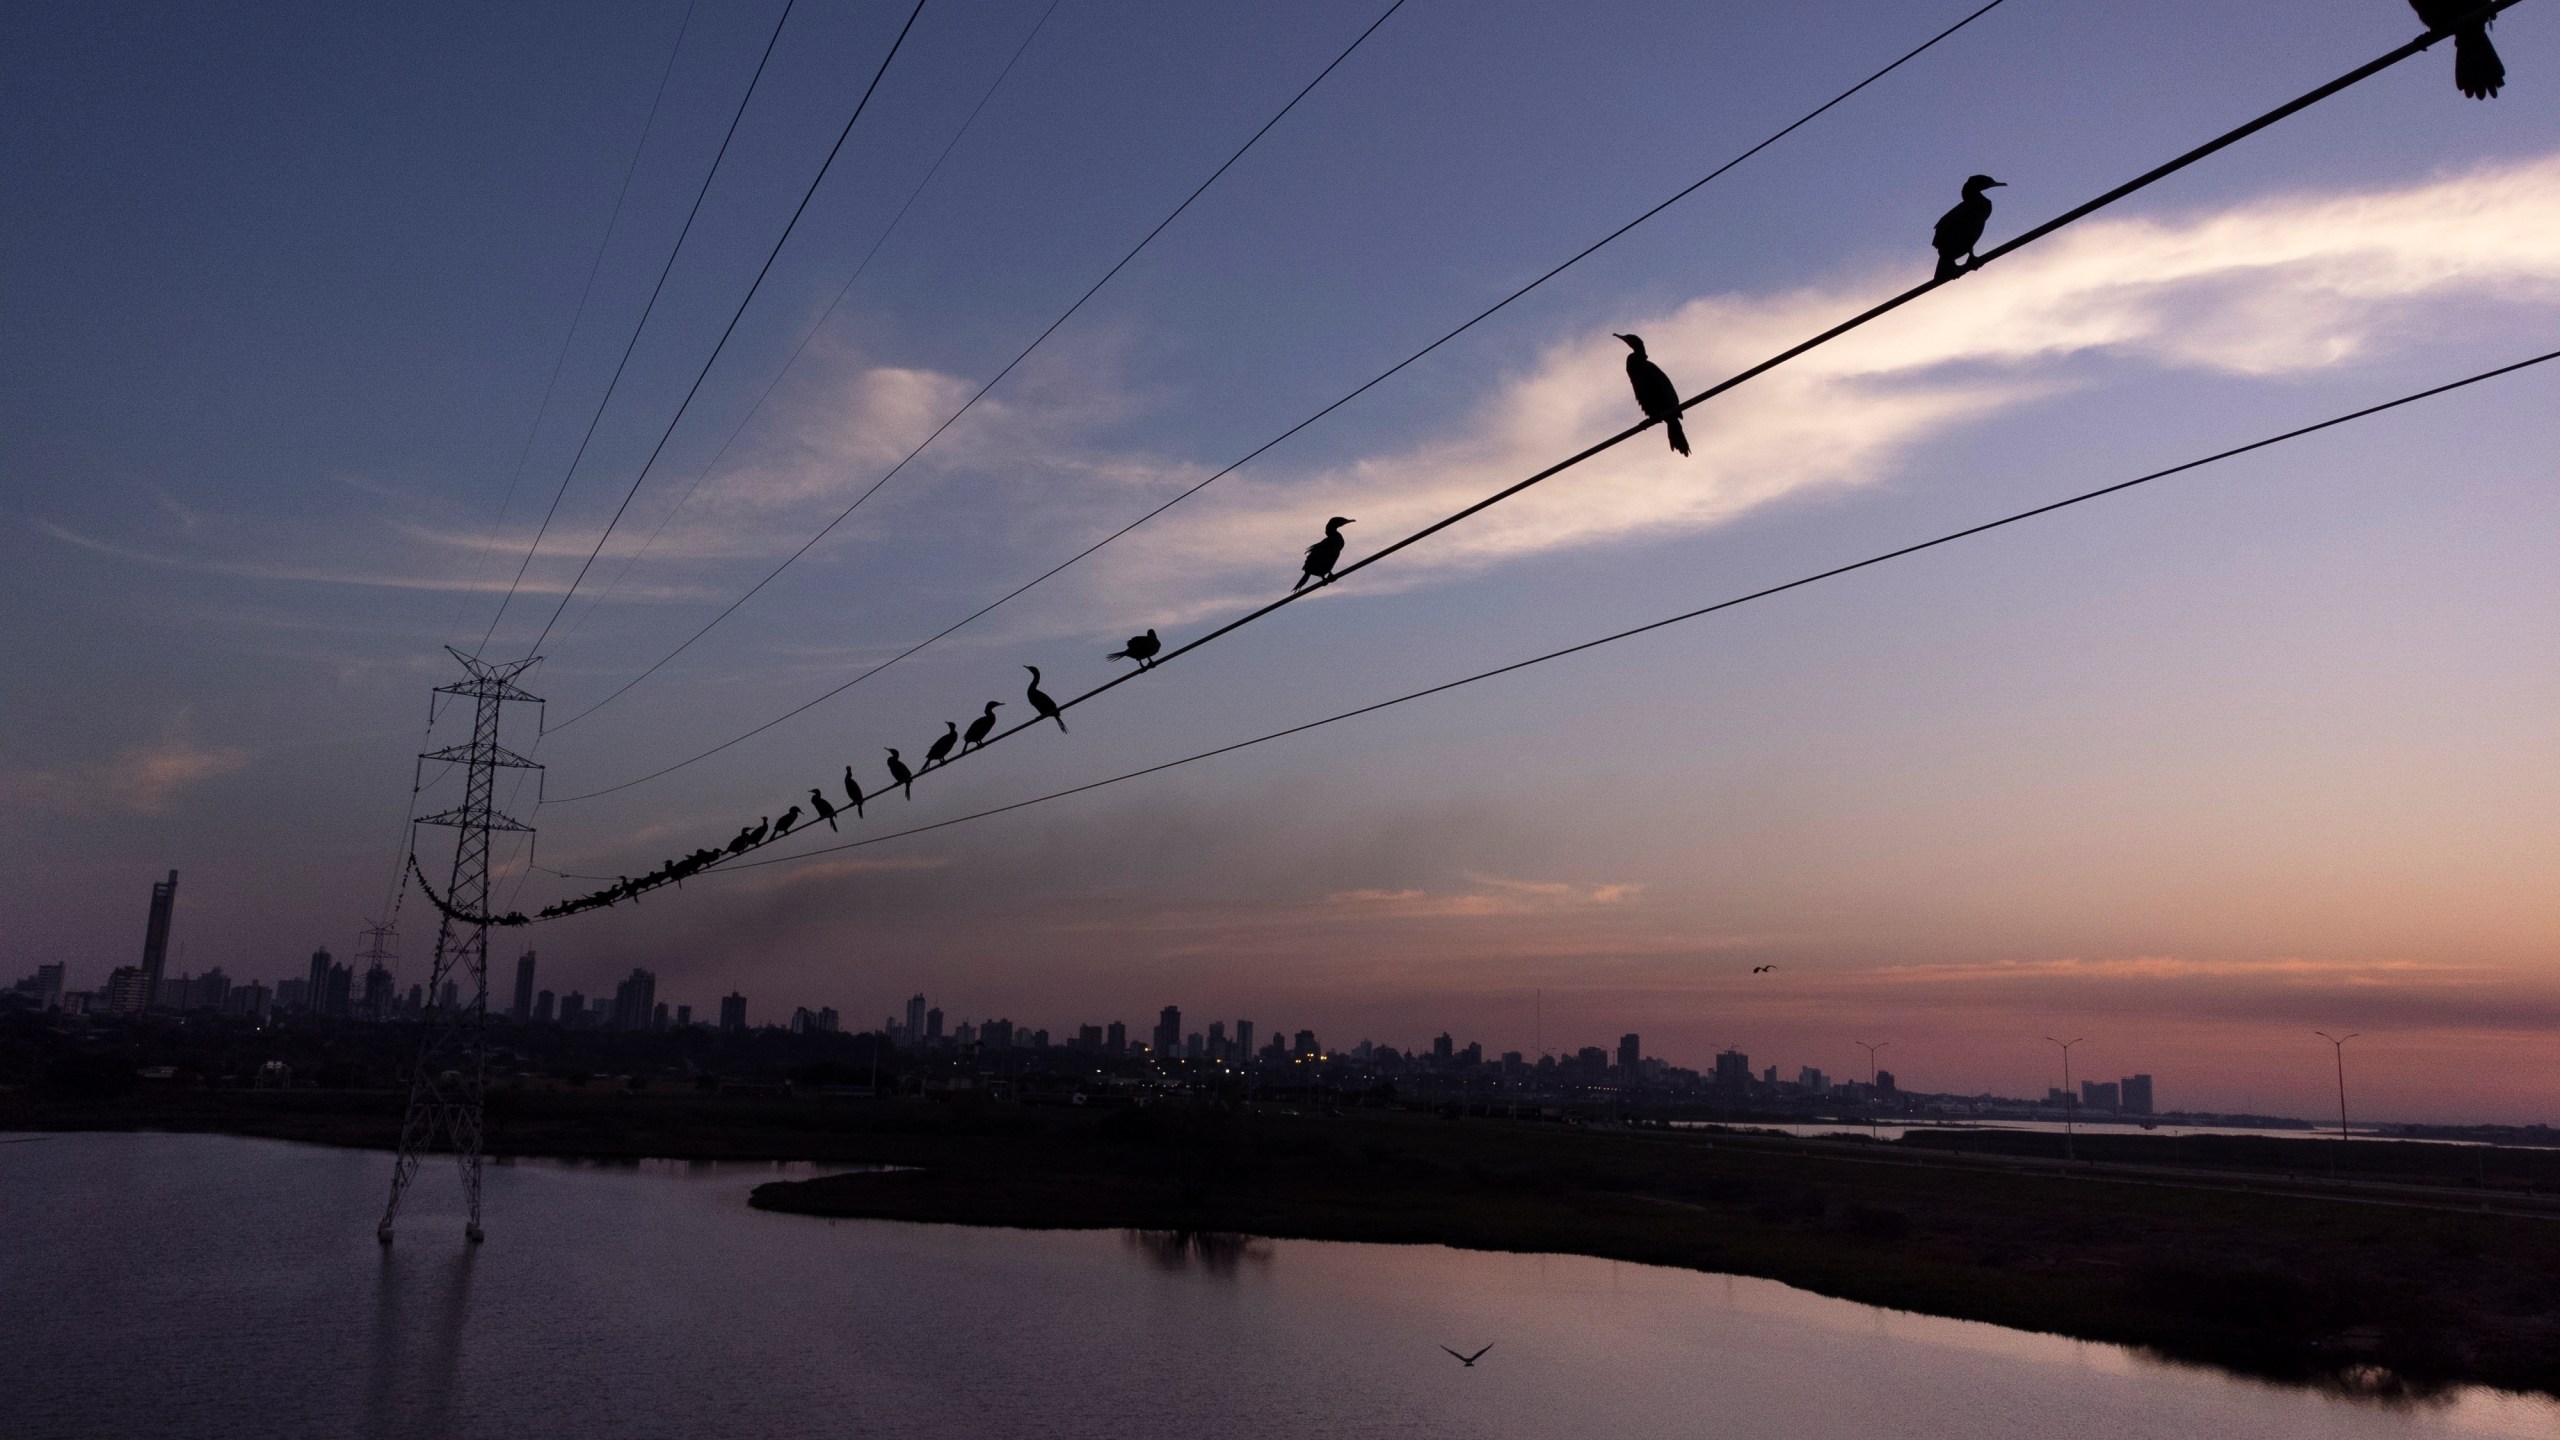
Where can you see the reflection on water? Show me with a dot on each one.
(1211, 1252)
(198, 1286)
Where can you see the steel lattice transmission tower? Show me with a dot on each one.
(446, 1089)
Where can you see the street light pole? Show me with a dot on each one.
(1871, 1080)
(2338, 1048)
(2070, 1100)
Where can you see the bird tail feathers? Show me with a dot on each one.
(1679, 437)
(1950, 266)
(2477, 70)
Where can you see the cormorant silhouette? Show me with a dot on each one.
(2477, 70)
(853, 792)
(1960, 229)
(745, 838)
(756, 836)
(1141, 648)
(1322, 556)
(825, 811)
(980, 727)
(1467, 1360)
(940, 750)
(901, 775)
(1656, 396)
(789, 818)
(1041, 702)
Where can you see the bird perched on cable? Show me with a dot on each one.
(825, 811)
(746, 837)
(853, 792)
(1656, 396)
(1041, 702)
(900, 775)
(789, 818)
(1323, 555)
(1960, 229)
(980, 727)
(1141, 648)
(940, 750)
(2477, 70)
(756, 836)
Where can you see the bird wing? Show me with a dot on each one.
(1452, 1354)
(1478, 1355)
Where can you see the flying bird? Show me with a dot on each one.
(1041, 702)
(1656, 396)
(2477, 70)
(1467, 1360)
(819, 803)
(1323, 555)
(979, 728)
(853, 792)
(789, 818)
(940, 750)
(1141, 648)
(1762, 969)
(900, 775)
(1960, 229)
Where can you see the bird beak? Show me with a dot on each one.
(1997, 185)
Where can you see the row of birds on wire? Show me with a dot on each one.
(2478, 73)
(1958, 232)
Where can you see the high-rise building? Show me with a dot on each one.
(381, 992)
(634, 1000)
(1168, 1037)
(2098, 1095)
(733, 1013)
(47, 989)
(1217, 1048)
(155, 935)
(293, 995)
(996, 1034)
(1194, 1047)
(573, 1010)
(933, 1026)
(829, 1022)
(915, 1018)
(450, 999)
(1115, 1040)
(1733, 1070)
(1812, 1081)
(684, 1017)
(315, 994)
(658, 1017)
(1244, 1039)
(337, 998)
(1885, 1083)
(2137, 1094)
(1443, 1047)
(542, 1000)
(522, 1011)
(1307, 1043)
(128, 990)
(1630, 1055)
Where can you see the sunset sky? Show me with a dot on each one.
(2190, 771)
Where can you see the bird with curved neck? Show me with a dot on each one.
(1656, 396)
(980, 728)
(789, 818)
(825, 811)
(853, 792)
(939, 752)
(1323, 555)
(1960, 229)
(1041, 702)
(900, 775)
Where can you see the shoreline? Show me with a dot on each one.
(2303, 1288)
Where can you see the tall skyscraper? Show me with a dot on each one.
(634, 1000)
(522, 1011)
(380, 993)
(1169, 1031)
(542, 1001)
(1733, 1071)
(1244, 1039)
(1217, 1040)
(155, 935)
(1116, 1039)
(915, 1019)
(315, 990)
(733, 1013)
(1630, 1055)
(933, 1026)
(338, 993)
(2137, 1094)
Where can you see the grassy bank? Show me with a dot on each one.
(2272, 1284)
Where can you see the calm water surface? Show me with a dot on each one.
(202, 1286)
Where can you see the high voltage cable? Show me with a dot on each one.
(732, 327)
(1704, 610)
(999, 376)
(577, 316)
(655, 289)
(2078, 212)
(823, 317)
(1355, 393)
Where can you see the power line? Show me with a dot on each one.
(1704, 610)
(971, 402)
(823, 317)
(1355, 393)
(731, 328)
(2077, 212)
(577, 316)
(642, 324)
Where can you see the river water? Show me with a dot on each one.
(202, 1286)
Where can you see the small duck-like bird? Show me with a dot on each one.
(940, 750)
(1141, 648)
(2477, 70)
(789, 818)
(853, 792)
(980, 728)
(1960, 229)
(825, 811)
(1323, 555)
(1656, 396)
(1041, 702)
(900, 775)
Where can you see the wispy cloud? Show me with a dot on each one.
(142, 779)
